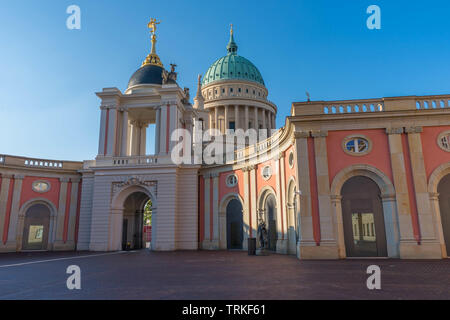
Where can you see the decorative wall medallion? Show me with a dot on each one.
(357, 145)
(444, 141)
(40, 186)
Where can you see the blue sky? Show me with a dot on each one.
(49, 74)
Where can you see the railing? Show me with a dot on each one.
(139, 160)
(377, 106)
(371, 106)
(128, 161)
(7, 160)
(430, 103)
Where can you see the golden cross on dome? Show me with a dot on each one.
(152, 25)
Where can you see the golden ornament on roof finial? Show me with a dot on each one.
(152, 25)
(152, 58)
(231, 29)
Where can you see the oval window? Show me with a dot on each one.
(356, 145)
(266, 172)
(291, 159)
(41, 186)
(232, 180)
(444, 141)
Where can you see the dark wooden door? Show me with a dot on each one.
(362, 213)
(36, 228)
(235, 225)
(444, 204)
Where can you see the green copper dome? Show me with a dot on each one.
(232, 67)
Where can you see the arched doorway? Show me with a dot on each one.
(235, 225)
(271, 221)
(134, 220)
(36, 228)
(362, 214)
(444, 205)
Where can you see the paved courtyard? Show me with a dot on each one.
(215, 275)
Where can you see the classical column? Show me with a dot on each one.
(207, 210)
(436, 210)
(401, 189)
(102, 134)
(246, 119)
(142, 139)
(327, 223)
(216, 117)
(60, 217)
(281, 209)
(14, 213)
(157, 130)
(135, 138)
(225, 127)
(215, 209)
(269, 122)
(428, 225)
(264, 118)
(73, 211)
(307, 243)
(124, 147)
(273, 121)
(236, 117)
(4, 194)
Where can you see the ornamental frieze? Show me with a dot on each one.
(134, 181)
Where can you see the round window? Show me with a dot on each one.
(291, 159)
(444, 141)
(266, 172)
(232, 180)
(356, 145)
(40, 186)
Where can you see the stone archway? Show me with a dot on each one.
(268, 208)
(389, 208)
(36, 225)
(224, 227)
(126, 213)
(436, 185)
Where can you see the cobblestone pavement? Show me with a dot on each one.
(219, 275)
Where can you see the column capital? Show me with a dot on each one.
(434, 196)
(394, 130)
(107, 106)
(64, 179)
(414, 130)
(6, 175)
(75, 180)
(249, 168)
(301, 134)
(336, 198)
(319, 134)
(19, 176)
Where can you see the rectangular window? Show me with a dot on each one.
(232, 125)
